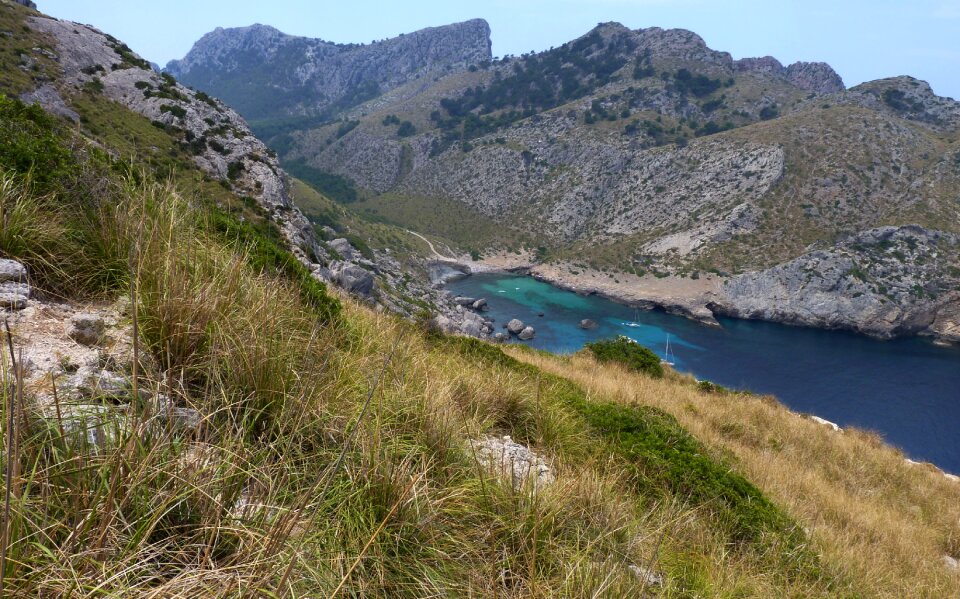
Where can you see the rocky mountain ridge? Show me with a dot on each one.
(309, 76)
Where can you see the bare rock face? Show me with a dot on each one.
(224, 146)
(311, 74)
(765, 64)
(818, 77)
(883, 282)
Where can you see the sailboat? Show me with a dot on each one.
(668, 358)
(636, 320)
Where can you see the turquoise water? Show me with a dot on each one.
(908, 390)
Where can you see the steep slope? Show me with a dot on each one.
(91, 70)
(267, 74)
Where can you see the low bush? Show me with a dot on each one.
(628, 352)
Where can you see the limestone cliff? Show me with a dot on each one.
(266, 73)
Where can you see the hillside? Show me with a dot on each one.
(648, 155)
(189, 411)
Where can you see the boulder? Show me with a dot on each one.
(513, 461)
(481, 305)
(501, 337)
(12, 271)
(354, 279)
(462, 300)
(86, 329)
(14, 289)
(588, 324)
(515, 326)
(527, 334)
(345, 249)
(14, 296)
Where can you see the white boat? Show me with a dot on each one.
(668, 358)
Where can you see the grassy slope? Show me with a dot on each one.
(885, 523)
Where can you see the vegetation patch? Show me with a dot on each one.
(628, 352)
(334, 186)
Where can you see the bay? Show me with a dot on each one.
(907, 390)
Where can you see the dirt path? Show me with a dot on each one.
(436, 254)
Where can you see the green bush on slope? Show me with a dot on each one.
(628, 352)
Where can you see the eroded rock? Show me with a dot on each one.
(513, 461)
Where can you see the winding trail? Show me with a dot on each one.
(438, 255)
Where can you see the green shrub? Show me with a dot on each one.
(628, 352)
(31, 144)
(710, 387)
(177, 111)
(406, 129)
(234, 169)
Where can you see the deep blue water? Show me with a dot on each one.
(908, 390)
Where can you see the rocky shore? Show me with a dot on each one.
(886, 282)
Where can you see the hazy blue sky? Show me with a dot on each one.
(861, 39)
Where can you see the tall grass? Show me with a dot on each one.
(333, 458)
(882, 524)
(113, 501)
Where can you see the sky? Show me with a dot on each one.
(862, 39)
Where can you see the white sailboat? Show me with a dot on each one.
(668, 358)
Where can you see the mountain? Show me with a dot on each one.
(267, 74)
(646, 155)
(190, 410)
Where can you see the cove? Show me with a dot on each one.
(908, 390)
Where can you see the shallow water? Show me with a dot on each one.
(908, 390)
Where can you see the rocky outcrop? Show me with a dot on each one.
(907, 98)
(222, 143)
(817, 77)
(517, 463)
(302, 75)
(883, 282)
(14, 288)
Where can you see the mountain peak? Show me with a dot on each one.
(817, 77)
(258, 68)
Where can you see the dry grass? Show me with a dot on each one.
(334, 459)
(882, 523)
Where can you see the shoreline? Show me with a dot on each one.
(689, 298)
